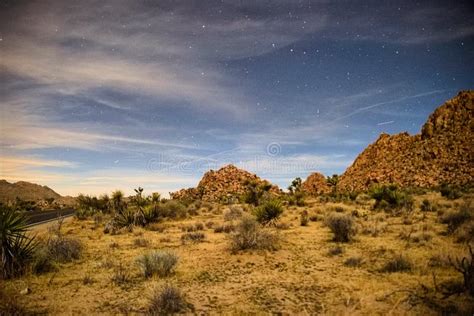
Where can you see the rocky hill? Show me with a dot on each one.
(316, 184)
(442, 153)
(26, 191)
(229, 181)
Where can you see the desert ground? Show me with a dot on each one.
(307, 273)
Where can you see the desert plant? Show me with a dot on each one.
(194, 237)
(427, 206)
(141, 242)
(166, 301)
(342, 226)
(450, 192)
(226, 228)
(255, 191)
(269, 212)
(120, 275)
(296, 195)
(390, 197)
(249, 235)
(335, 251)
(171, 209)
(454, 219)
(304, 219)
(16, 248)
(233, 213)
(398, 263)
(353, 262)
(62, 249)
(42, 262)
(465, 266)
(9, 304)
(161, 263)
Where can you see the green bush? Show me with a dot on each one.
(342, 226)
(450, 192)
(171, 209)
(390, 197)
(427, 206)
(160, 263)
(16, 248)
(249, 235)
(256, 192)
(269, 212)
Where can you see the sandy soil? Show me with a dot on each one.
(300, 278)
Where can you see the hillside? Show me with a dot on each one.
(26, 191)
(229, 181)
(442, 153)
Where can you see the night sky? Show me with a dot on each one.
(99, 95)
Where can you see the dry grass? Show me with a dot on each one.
(300, 277)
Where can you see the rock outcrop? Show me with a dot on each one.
(316, 184)
(229, 181)
(442, 153)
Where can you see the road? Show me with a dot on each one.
(38, 217)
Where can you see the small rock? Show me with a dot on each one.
(26, 291)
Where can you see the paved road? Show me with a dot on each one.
(38, 217)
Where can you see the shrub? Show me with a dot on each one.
(249, 235)
(342, 226)
(141, 242)
(226, 228)
(465, 266)
(304, 218)
(269, 212)
(450, 192)
(465, 233)
(455, 219)
(335, 251)
(233, 213)
(390, 197)
(120, 275)
(166, 301)
(42, 261)
(63, 249)
(255, 192)
(427, 206)
(171, 209)
(9, 304)
(193, 237)
(16, 248)
(397, 264)
(161, 263)
(353, 262)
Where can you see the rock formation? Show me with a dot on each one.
(316, 184)
(229, 181)
(442, 153)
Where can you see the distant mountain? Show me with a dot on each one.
(26, 191)
(442, 153)
(217, 185)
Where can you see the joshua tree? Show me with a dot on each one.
(140, 203)
(117, 201)
(333, 181)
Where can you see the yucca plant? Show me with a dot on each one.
(16, 247)
(269, 212)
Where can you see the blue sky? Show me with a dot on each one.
(100, 95)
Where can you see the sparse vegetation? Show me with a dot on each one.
(465, 266)
(342, 226)
(160, 263)
(62, 249)
(450, 192)
(304, 218)
(120, 275)
(194, 237)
